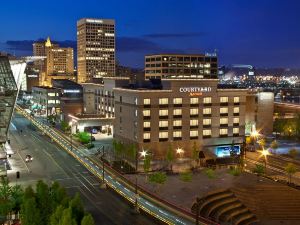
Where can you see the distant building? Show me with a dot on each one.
(181, 66)
(95, 49)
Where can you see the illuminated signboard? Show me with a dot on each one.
(228, 150)
(71, 91)
(194, 91)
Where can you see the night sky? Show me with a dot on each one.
(264, 33)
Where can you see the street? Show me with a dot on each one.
(51, 163)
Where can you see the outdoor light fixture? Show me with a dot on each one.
(144, 153)
(179, 151)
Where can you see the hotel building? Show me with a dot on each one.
(95, 49)
(181, 66)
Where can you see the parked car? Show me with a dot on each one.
(28, 158)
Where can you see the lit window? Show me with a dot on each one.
(236, 99)
(206, 122)
(193, 133)
(147, 101)
(163, 134)
(223, 110)
(236, 110)
(223, 131)
(193, 122)
(206, 132)
(163, 112)
(177, 101)
(51, 101)
(194, 111)
(146, 136)
(51, 94)
(146, 124)
(194, 100)
(177, 123)
(207, 100)
(177, 134)
(146, 112)
(223, 99)
(163, 123)
(223, 120)
(207, 111)
(163, 101)
(177, 112)
(236, 130)
(236, 120)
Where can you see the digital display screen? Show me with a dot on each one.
(228, 150)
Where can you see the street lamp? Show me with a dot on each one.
(180, 151)
(265, 154)
(71, 125)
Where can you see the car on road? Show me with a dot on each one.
(28, 158)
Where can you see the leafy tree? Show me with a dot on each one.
(57, 215)
(186, 176)
(132, 152)
(210, 173)
(195, 152)
(259, 170)
(67, 218)
(88, 220)
(16, 197)
(5, 203)
(274, 146)
(170, 157)
(158, 178)
(58, 195)
(77, 208)
(262, 143)
(293, 153)
(43, 200)
(290, 169)
(28, 193)
(30, 213)
(65, 126)
(147, 163)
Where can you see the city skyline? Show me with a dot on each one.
(241, 32)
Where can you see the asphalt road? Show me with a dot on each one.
(50, 163)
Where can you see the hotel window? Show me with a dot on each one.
(223, 132)
(223, 110)
(194, 101)
(163, 101)
(236, 120)
(193, 123)
(236, 130)
(194, 112)
(146, 124)
(236, 110)
(194, 134)
(177, 101)
(146, 136)
(236, 99)
(224, 99)
(206, 111)
(51, 94)
(177, 112)
(206, 122)
(223, 121)
(207, 100)
(163, 123)
(177, 123)
(163, 135)
(146, 112)
(163, 112)
(177, 134)
(206, 133)
(147, 101)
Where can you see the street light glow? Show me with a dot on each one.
(144, 153)
(179, 151)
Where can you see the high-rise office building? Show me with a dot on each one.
(181, 66)
(95, 49)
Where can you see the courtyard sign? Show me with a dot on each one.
(194, 89)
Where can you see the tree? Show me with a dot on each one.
(274, 146)
(259, 170)
(5, 203)
(290, 169)
(293, 153)
(16, 197)
(262, 143)
(186, 176)
(43, 200)
(57, 215)
(147, 163)
(170, 157)
(158, 178)
(87, 220)
(64, 126)
(67, 218)
(84, 137)
(30, 214)
(195, 153)
(210, 173)
(77, 208)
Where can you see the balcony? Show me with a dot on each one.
(194, 127)
(236, 103)
(194, 116)
(177, 127)
(177, 116)
(194, 104)
(163, 128)
(164, 117)
(147, 106)
(147, 128)
(147, 117)
(164, 106)
(223, 103)
(236, 114)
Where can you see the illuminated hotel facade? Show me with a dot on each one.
(95, 49)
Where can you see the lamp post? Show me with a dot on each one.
(71, 139)
(180, 151)
(265, 154)
(103, 168)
